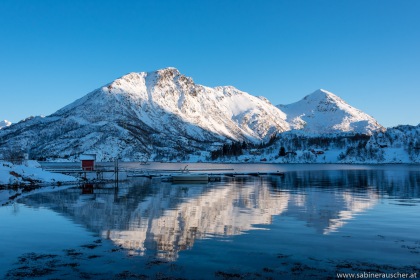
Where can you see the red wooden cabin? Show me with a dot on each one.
(88, 162)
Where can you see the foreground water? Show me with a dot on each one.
(317, 221)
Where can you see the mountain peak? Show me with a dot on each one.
(322, 94)
(4, 123)
(321, 90)
(324, 112)
(168, 73)
(165, 73)
(168, 69)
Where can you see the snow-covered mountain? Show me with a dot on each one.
(153, 114)
(164, 115)
(172, 103)
(4, 123)
(323, 112)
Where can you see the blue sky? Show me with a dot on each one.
(367, 52)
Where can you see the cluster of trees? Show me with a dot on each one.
(237, 148)
(293, 142)
(362, 153)
(14, 155)
(287, 144)
(229, 149)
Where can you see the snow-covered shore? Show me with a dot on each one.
(30, 173)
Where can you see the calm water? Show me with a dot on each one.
(316, 221)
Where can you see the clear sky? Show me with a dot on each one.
(365, 51)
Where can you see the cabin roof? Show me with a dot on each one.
(88, 157)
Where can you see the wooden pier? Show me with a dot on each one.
(212, 177)
(118, 174)
(97, 174)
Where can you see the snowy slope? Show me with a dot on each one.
(4, 123)
(323, 112)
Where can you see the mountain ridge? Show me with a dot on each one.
(160, 113)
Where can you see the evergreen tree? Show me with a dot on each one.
(282, 151)
(244, 145)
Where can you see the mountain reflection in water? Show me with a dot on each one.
(151, 216)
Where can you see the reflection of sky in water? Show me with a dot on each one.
(35, 229)
(325, 214)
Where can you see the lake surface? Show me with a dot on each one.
(314, 222)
